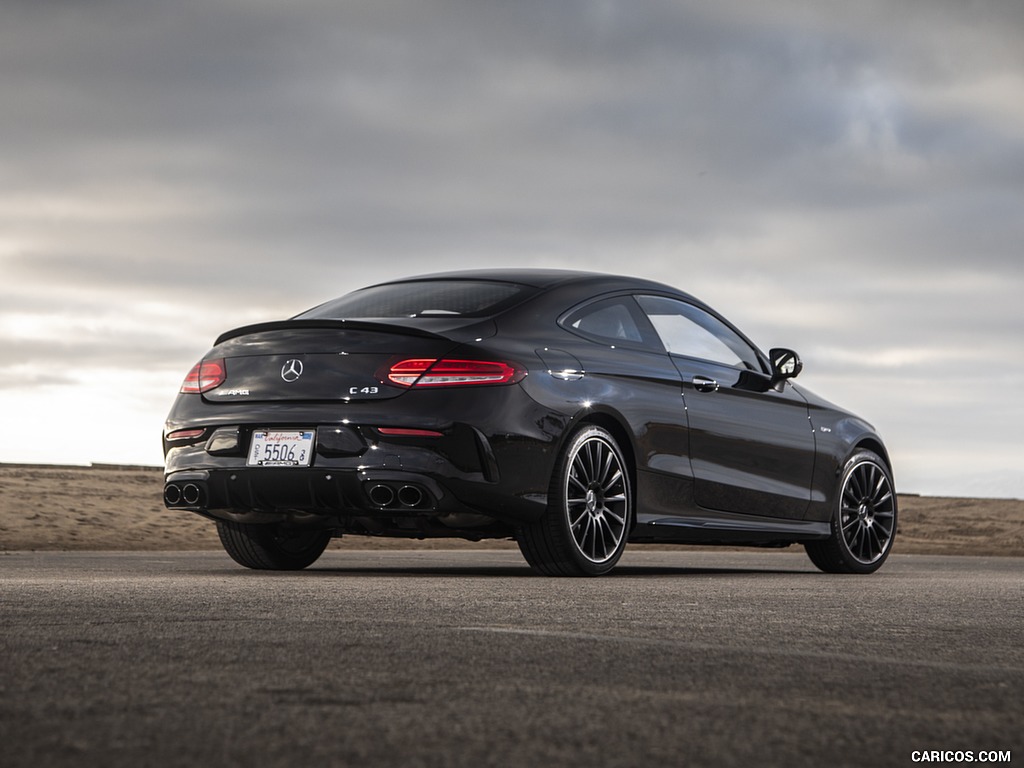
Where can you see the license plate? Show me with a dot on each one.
(281, 448)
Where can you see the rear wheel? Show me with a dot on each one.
(272, 547)
(583, 531)
(864, 522)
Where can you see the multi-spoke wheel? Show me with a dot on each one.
(864, 523)
(272, 547)
(584, 530)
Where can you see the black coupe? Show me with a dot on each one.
(571, 411)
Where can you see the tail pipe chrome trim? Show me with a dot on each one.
(190, 493)
(410, 496)
(172, 494)
(381, 495)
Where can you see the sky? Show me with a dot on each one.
(846, 179)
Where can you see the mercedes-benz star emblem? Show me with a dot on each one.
(291, 370)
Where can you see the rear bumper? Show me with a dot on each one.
(374, 502)
(493, 458)
(387, 479)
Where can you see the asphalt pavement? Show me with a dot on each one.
(463, 658)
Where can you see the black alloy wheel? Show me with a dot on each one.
(864, 523)
(590, 506)
(272, 547)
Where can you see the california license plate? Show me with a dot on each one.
(281, 448)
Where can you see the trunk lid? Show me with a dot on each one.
(317, 360)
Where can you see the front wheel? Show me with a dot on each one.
(864, 521)
(272, 547)
(590, 506)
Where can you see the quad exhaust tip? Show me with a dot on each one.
(381, 495)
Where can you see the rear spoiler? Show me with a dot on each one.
(340, 325)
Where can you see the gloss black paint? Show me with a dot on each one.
(754, 462)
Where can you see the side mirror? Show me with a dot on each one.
(786, 364)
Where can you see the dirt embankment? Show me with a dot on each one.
(121, 508)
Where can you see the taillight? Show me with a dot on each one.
(185, 434)
(204, 376)
(431, 372)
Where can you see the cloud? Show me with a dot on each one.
(843, 178)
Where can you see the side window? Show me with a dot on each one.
(691, 332)
(609, 320)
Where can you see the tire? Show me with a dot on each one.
(864, 520)
(272, 547)
(584, 529)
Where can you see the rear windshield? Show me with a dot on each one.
(430, 298)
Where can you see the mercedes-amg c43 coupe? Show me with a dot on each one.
(571, 411)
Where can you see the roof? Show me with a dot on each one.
(537, 278)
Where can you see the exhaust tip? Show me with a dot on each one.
(381, 495)
(172, 494)
(190, 494)
(410, 496)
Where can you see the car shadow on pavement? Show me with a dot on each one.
(504, 572)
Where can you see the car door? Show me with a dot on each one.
(751, 444)
(628, 371)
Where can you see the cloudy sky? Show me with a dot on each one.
(843, 178)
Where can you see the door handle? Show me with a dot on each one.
(704, 384)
